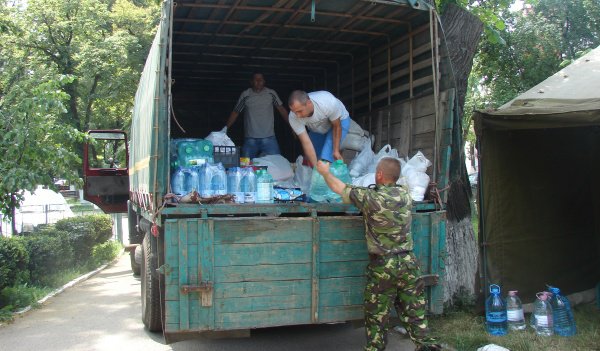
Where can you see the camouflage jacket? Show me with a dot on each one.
(386, 210)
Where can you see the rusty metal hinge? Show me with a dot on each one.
(205, 289)
(430, 279)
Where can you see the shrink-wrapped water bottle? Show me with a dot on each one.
(542, 315)
(178, 182)
(192, 179)
(495, 312)
(514, 311)
(249, 184)
(219, 180)
(564, 323)
(319, 190)
(234, 184)
(264, 187)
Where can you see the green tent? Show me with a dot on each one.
(540, 184)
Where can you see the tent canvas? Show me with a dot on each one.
(539, 184)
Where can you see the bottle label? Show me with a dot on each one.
(541, 320)
(249, 197)
(238, 197)
(515, 315)
(496, 317)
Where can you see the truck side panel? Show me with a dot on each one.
(284, 271)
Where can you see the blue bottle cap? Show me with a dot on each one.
(494, 289)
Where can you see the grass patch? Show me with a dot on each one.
(465, 331)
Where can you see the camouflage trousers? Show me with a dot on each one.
(392, 280)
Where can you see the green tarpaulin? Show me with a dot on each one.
(539, 189)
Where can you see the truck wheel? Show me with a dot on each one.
(150, 288)
(135, 267)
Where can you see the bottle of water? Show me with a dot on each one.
(514, 311)
(178, 182)
(249, 184)
(495, 312)
(564, 323)
(319, 190)
(192, 179)
(234, 184)
(542, 315)
(206, 183)
(264, 187)
(219, 180)
(340, 171)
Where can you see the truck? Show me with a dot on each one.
(230, 268)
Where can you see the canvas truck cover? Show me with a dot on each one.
(539, 190)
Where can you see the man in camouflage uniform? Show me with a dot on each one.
(392, 273)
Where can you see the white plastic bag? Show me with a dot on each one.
(386, 151)
(419, 162)
(220, 139)
(413, 171)
(277, 166)
(364, 180)
(360, 164)
(303, 175)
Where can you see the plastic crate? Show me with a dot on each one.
(229, 156)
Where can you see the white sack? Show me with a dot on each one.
(277, 166)
(386, 151)
(361, 163)
(355, 138)
(219, 139)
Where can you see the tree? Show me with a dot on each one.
(66, 66)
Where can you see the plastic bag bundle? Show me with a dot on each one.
(386, 151)
(277, 166)
(416, 178)
(220, 138)
(361, 163)
(303, 175)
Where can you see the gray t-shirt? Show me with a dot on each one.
(327, 108)
(258, 112)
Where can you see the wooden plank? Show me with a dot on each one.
(341, 313)
(244, 230)
(261, 254)
(172, 313)
(342, 269)
(262, 303)
(262, 319)
(424, 124)
(341, 298)
(206, 233)
(315, 260)
(342, 228)
(184, 228)
(263, 272)
(270, 288)
(344, 284)
(348, 250)
(420, 230)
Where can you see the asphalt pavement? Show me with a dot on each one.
(103, 314)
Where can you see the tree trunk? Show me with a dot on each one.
(462, 32)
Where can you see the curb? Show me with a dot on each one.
(72, 283)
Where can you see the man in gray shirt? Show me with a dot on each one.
(259, 126)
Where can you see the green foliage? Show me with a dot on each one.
(105, 252)
(14, 261)
(20, 296)
(84, 233)
(49, 252)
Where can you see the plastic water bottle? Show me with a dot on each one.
(495, 312)
(206, 183)
(514, 311)
(264, 187)
(319, 190)
(542, 315)
(219, 180)
(234, 184)
(564, 323)
(249, 184)
(192, 179)
(340, 171)
(178, 182)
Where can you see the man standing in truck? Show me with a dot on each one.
(327, 120)
(393, 271)
(257, 102)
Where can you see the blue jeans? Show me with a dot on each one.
(254, 147)
(323, 143)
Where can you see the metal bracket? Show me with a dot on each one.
(205, 289)
(430, 279)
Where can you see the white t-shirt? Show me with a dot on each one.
(327, 108)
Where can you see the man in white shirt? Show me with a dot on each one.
(327, 121)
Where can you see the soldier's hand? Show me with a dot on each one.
(323, 167)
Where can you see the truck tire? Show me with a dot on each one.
(151, 316)
(135, 267)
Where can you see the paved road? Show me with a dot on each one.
(103, 314)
